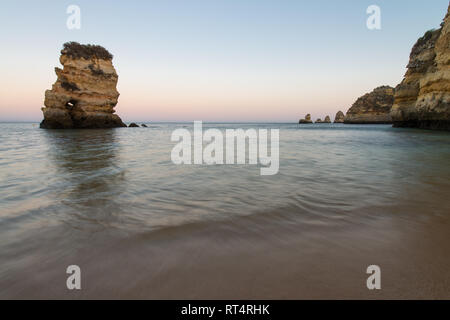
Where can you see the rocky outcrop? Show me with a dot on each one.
(84, 94)
(373, 107)
(318, 121)
(143, 125)
(133, 125)
(339, 118)
(422, 99)
(306, 120)
(327, 119)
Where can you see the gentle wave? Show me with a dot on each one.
(360, 189)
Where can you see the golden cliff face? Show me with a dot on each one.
(84, 94)
(373, 107)
(422, 99)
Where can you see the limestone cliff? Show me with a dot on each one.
(84, 94)
(373, 107)
(339, 118)
(422, 99)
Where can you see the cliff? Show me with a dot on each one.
(84, 94)
(422, 99)
(373, 107)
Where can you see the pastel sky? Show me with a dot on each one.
(215, 60)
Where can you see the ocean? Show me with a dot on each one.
(112, 202)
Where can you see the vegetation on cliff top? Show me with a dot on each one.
(86, 51)
(427, 38)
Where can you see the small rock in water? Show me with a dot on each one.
(133, 125)
(306, 120)
(144, 125)
(339, 118)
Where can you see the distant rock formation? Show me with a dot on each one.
(133, 125)
(327, 119)
(144, 125)
(339, 118)
(318, 121)
(422, 99)
(373, 107)
(306, 120)
(84, 94)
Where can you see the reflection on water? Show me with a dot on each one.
(82, 150)
(140, 226)
(85, 161)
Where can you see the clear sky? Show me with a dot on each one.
(215, 60)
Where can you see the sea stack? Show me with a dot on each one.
(327, 119)
(422, 99)
(318, 121)
(339, 118)
(373, 107)
(84, 94)
(306, 120)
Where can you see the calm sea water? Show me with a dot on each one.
(111, 201)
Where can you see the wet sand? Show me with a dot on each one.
(263, 256)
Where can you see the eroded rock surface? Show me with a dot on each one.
(339, 118)
(84, 94)
(422, 99)
(373, 107)
(307, 119)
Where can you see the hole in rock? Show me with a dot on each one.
(71, 103)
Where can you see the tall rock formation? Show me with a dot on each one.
(339, 118)
(84, 94)
(422, 99)
(327, 119)
(373, 107)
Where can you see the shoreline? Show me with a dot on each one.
(261, 256)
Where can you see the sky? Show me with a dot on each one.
(215, 60)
